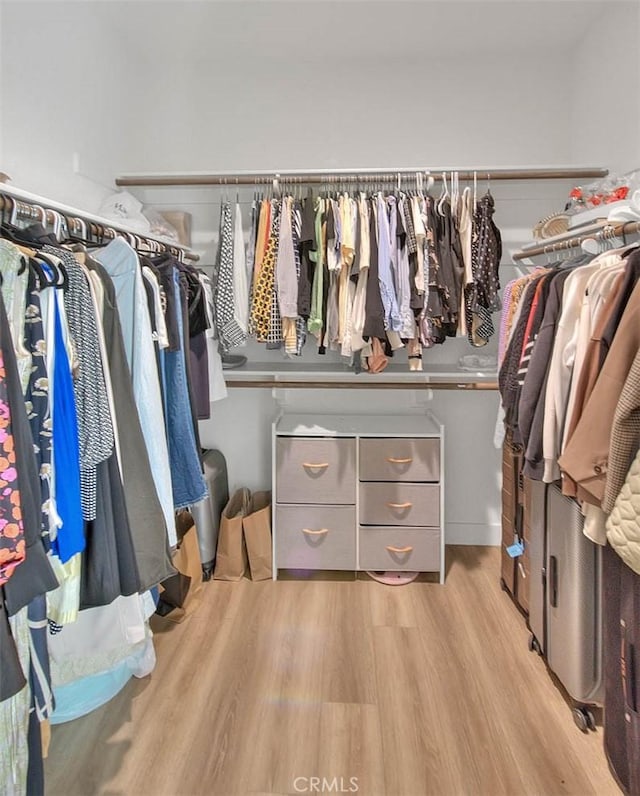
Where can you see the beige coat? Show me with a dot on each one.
(585, 459)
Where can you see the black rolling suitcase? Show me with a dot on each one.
(207, 513)
(622, 671)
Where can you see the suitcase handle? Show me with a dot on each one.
(626, 668)
(553, 575)
(394, 460)
(400, 505)
(399, 550)
(321, 532)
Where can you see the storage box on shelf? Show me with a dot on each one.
(358, 492)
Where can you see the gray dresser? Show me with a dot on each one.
(358, 492)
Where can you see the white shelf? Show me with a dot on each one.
(277, 373)
(363, 425)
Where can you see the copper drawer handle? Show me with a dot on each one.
(312, 466)
(321, 532)
(399, 505)
(393, 549)
(394, 460)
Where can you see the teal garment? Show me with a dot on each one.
(316, 320)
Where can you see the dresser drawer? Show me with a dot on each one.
(316, 537)
(388, 459)
(398, 548)
(400, 504)
(315, 470)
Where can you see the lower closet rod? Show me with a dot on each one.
(387, 385)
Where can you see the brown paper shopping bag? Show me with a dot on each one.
(257, 535)
(231, 556)
(180, 594)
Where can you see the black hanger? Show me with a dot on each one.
(38, 271)
(17, 235)
(61, 278)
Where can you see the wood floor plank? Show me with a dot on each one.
(349, 643)
(421, 752)
(350, 746)
(390, 606)
(416, 690)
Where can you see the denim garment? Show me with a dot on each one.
(188, 482)
(121, 262)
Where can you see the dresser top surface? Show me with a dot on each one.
(362, 425)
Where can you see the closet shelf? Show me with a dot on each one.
(574, 238)
(41, 204)
(317, 376)
(309, 176)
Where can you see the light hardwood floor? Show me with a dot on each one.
(418, 689)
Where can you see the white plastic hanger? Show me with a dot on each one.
(455, 193)
(444, 195)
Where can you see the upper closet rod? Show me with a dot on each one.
(315, 176)
(607, 232)
(21, 203)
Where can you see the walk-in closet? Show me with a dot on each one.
(319, 397)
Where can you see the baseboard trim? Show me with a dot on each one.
(473, 534)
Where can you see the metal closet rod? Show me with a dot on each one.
(317, 176)
(81, 224)
(608, 231)
(355, 385)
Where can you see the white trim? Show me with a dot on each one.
(463, 533)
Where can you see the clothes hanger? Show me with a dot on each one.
(444, 195)
(455, 193)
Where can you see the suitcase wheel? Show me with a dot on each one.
(584, 719)
(534, 645)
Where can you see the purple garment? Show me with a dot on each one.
(392, 318)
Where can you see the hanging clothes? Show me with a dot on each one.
(230, 331)
(186, 472)
(486, 251)
(12, 541)
(121, 264)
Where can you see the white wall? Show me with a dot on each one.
(67, 89)
(605, 90)
(379, 111)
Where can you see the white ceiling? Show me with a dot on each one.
(243, 29)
